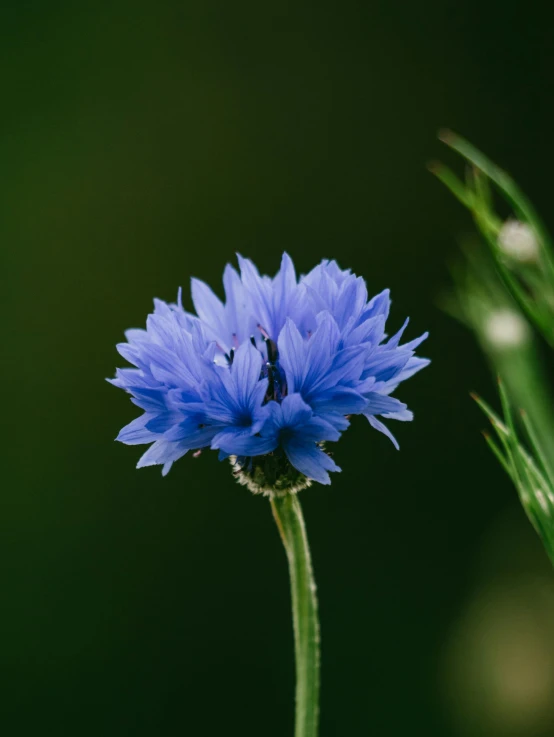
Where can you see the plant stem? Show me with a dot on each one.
(288, 516)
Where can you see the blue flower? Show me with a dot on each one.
(267, 377)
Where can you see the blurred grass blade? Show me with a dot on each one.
(521, 247)
(532, 481)
(545, 462)
(498, 453)
(451, 181)
(503, 181)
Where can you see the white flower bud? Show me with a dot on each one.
(518, 241)
(504, 328)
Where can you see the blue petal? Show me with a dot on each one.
(136, 433)
(295, 411)
(310, 460)
(297, 421)
(336, 421)
(161, 452)
(395, 340)
(370, 330)
(238, 308)
(284, 283)
(378, 404)
(320, 348)
(130, 378)
(192, 437)
(412, 367)
(385, 365)
(237, 441)
(318, 429)
(292, 355)
(344, 400)
(129, 352)
(379, 305)
(413, 344)
(384, 429)
(163, 422)
(209, 308)
(246, 370)
(150, 400)
(259, 292)
(404, 415)
(136, 335)
(346, 368)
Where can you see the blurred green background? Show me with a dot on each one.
(143, 143)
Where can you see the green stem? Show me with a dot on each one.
(288, 516)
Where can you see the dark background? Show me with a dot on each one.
(144, 142)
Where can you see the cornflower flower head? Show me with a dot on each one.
(267, 377)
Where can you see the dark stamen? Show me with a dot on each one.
(272, 352)
(276, 388)
(253, 341)
(271, 381)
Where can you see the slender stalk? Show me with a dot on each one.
(290, 522)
